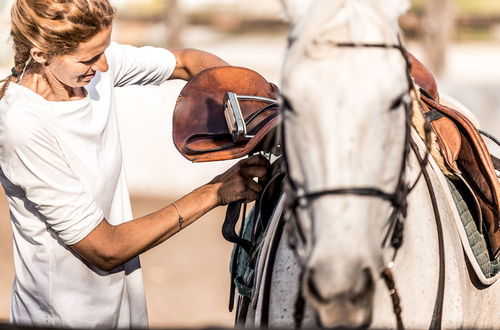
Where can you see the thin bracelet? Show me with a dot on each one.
(181, 219)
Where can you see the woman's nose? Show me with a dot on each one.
(101, 64)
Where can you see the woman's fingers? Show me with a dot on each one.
(252, 185)
(255, 167)
(255, 172)
(238, 182)
(251, 196)
(256, 160)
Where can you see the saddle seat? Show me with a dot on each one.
(463, 152)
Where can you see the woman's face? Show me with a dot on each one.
(78, 68)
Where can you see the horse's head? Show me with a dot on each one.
(344, 132)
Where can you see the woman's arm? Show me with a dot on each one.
(108, 246)
(191, 61)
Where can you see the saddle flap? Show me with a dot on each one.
(200, 126)
(477, 168)
(463, 150)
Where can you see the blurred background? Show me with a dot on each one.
(187, 278)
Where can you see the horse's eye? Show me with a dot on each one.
(285, 104)
(403, 98)
(396, 103)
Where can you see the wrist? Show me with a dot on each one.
(210, 193)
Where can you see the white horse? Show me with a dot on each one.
(346, 142)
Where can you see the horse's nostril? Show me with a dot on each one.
(313, 289)
(363, 286)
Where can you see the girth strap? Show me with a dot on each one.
(228, 228)
(229, 233)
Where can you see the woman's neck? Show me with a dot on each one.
(51, 89)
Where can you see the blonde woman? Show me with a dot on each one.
(75, 246)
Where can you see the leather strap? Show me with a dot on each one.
(496, 162)
(433, 115)
(228, 228)
(266, 292)
(189, 149)
(229, 233)
(437, 315)
(393, 292)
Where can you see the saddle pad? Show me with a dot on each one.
(489, 268)
(443, 181)
(240, 260)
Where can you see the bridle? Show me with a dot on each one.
(300, 198)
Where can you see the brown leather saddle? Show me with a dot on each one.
(464, 153)
(224, 113)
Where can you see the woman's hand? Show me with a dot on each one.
(238, 182)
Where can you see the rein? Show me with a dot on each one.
(301, 198)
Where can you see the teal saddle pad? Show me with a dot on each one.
(489, 267)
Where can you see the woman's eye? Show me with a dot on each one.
(92, 60)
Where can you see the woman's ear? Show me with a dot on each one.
(39, 56)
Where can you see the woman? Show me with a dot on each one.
(76, 255)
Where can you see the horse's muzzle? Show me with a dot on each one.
(349, 307)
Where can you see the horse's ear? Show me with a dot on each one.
(397, 7)
(294, 9)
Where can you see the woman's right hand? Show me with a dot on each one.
(238, 183)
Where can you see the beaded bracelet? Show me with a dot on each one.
(181, 219)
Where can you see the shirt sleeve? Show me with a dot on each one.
(34, 162)
(139, 66)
